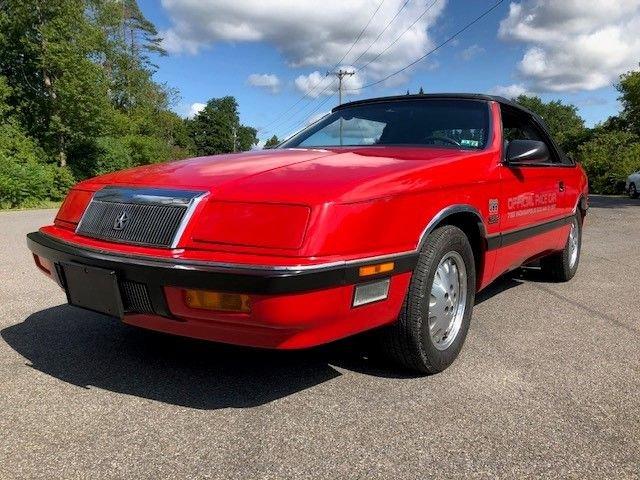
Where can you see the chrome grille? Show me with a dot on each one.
(152, 217)
(135, 297)
(147, 224)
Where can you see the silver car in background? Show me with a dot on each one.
(632, 186)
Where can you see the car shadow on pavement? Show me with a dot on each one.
(510, 280)
(504, 283)
(91, 350)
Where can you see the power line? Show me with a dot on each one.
(309, 114)
(287, 121)
(359, 35)
(386, 49)
(382, 32)
(430, 52)
(424, 12)
(337, 64)
(435, 49)
(367, 49)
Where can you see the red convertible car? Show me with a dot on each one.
(388, 213)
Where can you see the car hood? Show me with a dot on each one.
(306, 176)
(208, 172)
(354, 174)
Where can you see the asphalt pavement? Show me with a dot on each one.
(547, 385)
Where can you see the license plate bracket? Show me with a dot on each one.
(93, 288)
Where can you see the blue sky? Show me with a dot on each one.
(533, 45)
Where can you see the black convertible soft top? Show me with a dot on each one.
(443, 96)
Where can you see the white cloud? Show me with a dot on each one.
(308, 34)
(267, 81)
(172, 42)
(574, 44)
(508, 91)
(471, 52)
(195, 108)
(316, 83)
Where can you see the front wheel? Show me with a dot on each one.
(562, 266)
(633, 191)
(435, 317)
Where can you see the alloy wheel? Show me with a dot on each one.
(448, 300)
(573, 244)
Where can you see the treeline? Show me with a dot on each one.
(610, 151)
(78, 98)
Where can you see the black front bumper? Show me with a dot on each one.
(157, 273)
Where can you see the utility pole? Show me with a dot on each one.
(341, 74)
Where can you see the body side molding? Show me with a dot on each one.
(447, 212)
(504, 239)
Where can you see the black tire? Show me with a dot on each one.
(408, 342)
(558, 267)
(633, 191)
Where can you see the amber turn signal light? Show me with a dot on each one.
(218, 301)
(369, 270)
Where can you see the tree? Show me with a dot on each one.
(24, 178)
(272, 142)
(217, 129)
(128, 40)
(77, 88)
(629, 88)
(142, 34)
(609, 157)
(15, 145)
(247, 138)
(564, 122)
(46, 53)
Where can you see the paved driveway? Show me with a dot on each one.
(548, 385)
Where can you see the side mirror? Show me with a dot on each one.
(526, 152)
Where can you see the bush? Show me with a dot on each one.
(145, 150)
(25, 179)
(109, 154)
(609, 158)
(23, 184)
(32, 184)
(63, 180)
(98, 156)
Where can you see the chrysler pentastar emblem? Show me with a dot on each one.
(121, 221)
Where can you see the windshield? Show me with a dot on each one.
(461, 124)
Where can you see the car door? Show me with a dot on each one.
(532, 197)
